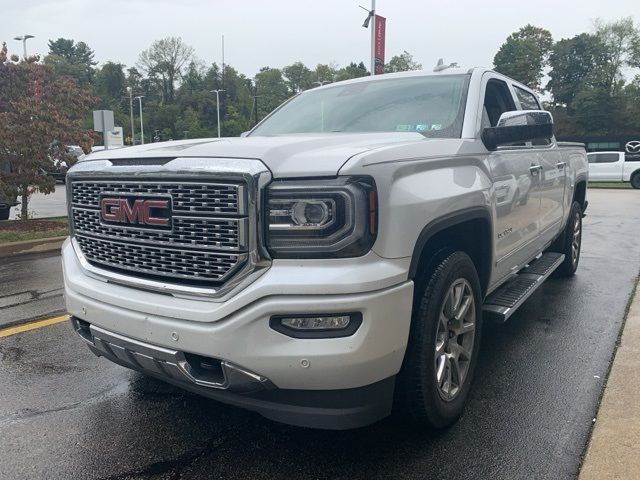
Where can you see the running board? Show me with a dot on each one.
(503, 302)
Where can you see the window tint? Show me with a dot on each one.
(603, 157)
(528, 101)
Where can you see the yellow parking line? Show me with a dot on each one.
(7, 332)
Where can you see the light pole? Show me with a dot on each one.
(217, 92)
(139, 98)
(23, 39)
(133, 133)
(371, 19)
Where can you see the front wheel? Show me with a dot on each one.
(444, 341)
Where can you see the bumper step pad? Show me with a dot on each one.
(503, 302)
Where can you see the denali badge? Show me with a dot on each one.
(139, 212)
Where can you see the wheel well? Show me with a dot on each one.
(469, 235)
(580, 193)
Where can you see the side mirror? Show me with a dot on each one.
(519, 126)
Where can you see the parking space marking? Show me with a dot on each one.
(7, 332)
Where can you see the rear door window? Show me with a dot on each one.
(603, 157)
(528, 100)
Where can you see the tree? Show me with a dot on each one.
(72, 59)
(40, 113)
(298, 76)
(110, 81)
(402, 63)
(620, 41)
(325, 73)
(524, 55)
(163, 63)
(352, 70)
(271, 88)
(572, 63)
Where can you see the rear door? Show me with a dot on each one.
(552, 178)
(605, 166)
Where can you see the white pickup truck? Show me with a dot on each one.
(336, 261)
(616, 166)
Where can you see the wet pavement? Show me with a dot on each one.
(67, 414)
(30, 288)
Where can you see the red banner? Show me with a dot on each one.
(380, 26)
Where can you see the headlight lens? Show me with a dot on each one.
(321, 218)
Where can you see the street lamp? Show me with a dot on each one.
(371, 16)
(139, 98)
(217, 92)
(133, 133)
(23, 39)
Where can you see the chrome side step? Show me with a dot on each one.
(503, 302)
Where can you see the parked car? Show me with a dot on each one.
(614, 167)
(337, 260)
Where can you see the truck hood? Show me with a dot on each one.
(297, 155)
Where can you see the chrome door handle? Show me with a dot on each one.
(535, 169)
(561, 165)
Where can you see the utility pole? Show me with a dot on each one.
(222, 63)
(217, 92)
(139, 98)
(23, 39)
(133, 133)
(373, 37)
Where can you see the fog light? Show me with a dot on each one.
(317, 326)
(316, 323)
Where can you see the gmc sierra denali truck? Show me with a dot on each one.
(338, 259)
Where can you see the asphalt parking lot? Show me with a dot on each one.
(67, 414)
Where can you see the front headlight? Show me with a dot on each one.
(321, 218)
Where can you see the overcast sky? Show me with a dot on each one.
(279, 32)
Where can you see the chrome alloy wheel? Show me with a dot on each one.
(454, 339)
(575, 241)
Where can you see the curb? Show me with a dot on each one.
(26, 247)
(612, 448)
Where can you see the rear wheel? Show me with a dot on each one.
(635, 180)
(570, 242)
(444, 341)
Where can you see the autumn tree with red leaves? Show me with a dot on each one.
(40, 114)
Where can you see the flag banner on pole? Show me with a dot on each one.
(380, 26)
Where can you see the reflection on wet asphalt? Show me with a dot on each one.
(67, 414)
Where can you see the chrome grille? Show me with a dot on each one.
(201, 232)
(188, 197)
(206, 244)
(183, 264)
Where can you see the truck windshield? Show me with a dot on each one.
(430, 105)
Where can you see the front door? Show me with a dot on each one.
(515, 174)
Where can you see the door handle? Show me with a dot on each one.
(561, 165)
(535, 169)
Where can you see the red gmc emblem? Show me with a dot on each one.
(137, 212)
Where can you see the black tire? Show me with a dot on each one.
(4, 213)
(568, 244)
(635, 180)
(419, 393)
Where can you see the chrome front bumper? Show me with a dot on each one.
(170, 364)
